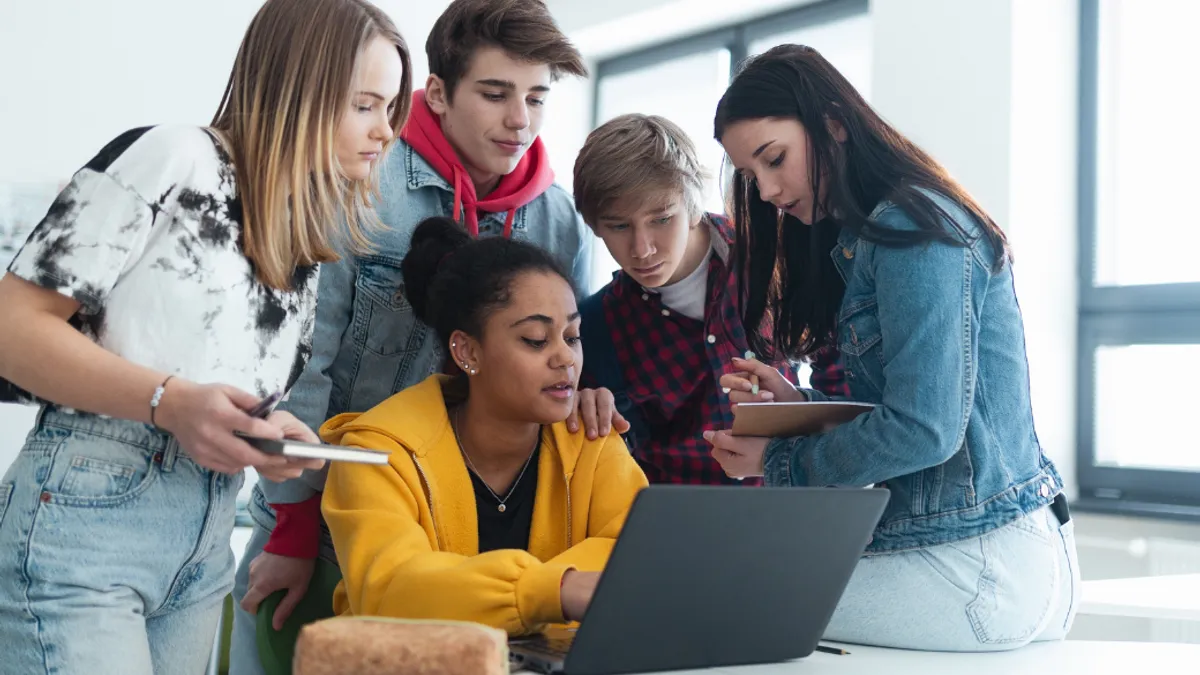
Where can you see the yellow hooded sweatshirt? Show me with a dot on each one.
(407, 536)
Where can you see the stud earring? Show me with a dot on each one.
(453, 345)
(473, 371)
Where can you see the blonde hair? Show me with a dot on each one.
(632, 156)
(289, 89)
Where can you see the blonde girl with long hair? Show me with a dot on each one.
(170, 287)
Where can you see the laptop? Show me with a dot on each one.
(706, 576)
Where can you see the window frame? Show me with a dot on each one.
(734, 37)
(1116, 316)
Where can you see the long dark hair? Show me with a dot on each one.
(787, 280)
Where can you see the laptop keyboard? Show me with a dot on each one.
(550, 646)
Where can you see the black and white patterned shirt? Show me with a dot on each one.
(147, 237)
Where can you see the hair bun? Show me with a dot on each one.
(434, 239)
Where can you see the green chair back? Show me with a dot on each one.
(275, 648)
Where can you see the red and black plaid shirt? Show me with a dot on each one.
(672, 364)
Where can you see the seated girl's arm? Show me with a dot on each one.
(390, 569)
(617, 480)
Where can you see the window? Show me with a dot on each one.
(683, 80)
(845, 42)
(1139, 322)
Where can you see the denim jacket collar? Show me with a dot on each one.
(419, 174)
(847, 244)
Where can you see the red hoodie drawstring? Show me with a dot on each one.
(457, 212)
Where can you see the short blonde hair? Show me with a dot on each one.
(632, 156)
(289, 89)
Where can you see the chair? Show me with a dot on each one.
(275, 648)
(218, 660)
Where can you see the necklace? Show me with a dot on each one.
(500, 506)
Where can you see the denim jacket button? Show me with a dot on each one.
(848, 253)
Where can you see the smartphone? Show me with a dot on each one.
(266, 406)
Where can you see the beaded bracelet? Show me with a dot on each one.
(157, 398)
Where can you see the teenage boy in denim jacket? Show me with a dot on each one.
(469, 151)
(661, 333)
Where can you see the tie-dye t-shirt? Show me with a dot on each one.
(147, 237)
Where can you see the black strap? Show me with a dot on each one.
(1060, 510)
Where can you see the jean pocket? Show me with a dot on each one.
(1018, 585)
(93, 471)
(1070, 575)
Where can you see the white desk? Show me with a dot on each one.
(1059, 658)
(1166, 597)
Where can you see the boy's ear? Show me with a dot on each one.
(436, 95)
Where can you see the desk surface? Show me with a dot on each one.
(1073, 657)
(1165, 597)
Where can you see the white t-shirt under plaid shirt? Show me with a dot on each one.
(147, 237)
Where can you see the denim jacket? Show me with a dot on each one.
(367, 344)
(933, 336)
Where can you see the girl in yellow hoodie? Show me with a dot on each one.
(489, 510)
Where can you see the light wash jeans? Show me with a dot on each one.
(115, 551)
(1012, 586)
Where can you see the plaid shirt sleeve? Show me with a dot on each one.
(828, 375)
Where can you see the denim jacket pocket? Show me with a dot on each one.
(859, 341)
(859, 329)
(5, 495)
(382, 311)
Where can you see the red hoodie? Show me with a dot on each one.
(297, 526)
(526, 182)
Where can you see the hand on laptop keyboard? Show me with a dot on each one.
(576, 593)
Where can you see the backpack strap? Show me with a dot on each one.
(600, 361)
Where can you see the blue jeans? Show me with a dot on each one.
(1012, 586)
(116, 554)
